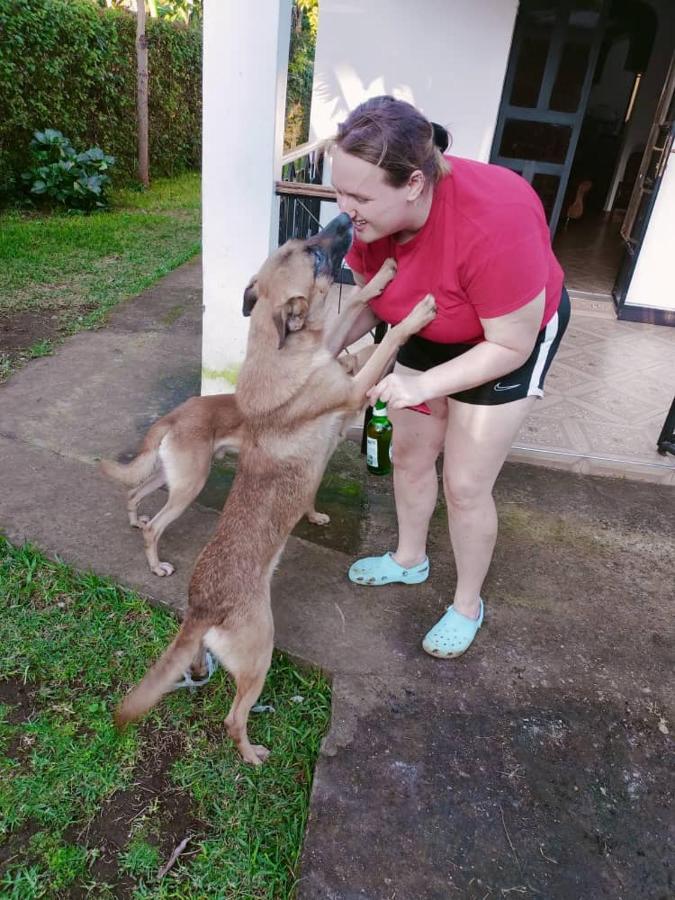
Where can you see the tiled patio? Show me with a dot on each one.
(590, 251)
(608, 393)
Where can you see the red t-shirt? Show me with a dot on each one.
(484, 251)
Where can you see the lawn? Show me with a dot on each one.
(63, 272)
(87, 811)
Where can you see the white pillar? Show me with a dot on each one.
(244, 90)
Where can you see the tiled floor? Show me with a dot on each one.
(590, 251)
(607, 396)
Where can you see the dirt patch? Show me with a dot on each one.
(20, 698)
(151, 808)
(16, 842)
(23, 329)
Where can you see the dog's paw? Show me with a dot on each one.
(318, 518)
(261, 752)
(384, 275)
(348, 362)
(164, 568)
(255, 754)
(423, 313)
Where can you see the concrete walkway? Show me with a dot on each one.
(538, 765)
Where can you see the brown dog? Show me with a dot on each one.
(177, 451)
(295, 398)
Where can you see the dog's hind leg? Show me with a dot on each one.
(199, 668)
(135, 495)
(185, 479)
(246, 652)
(179, 500)
(317, 518)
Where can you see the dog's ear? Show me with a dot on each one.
(250, 297)
(290, 317)
(279, 319)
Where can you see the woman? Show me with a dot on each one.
(476, 237)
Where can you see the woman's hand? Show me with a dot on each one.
(398, 391)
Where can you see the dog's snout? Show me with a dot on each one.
(343, 223)
(340, 227)
(332, 243)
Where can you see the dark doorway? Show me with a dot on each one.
(588, 241)
(573, 99)
(553, 58)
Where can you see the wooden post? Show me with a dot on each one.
(142, 93)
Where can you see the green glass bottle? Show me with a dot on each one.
(378, 441)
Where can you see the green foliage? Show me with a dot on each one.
(71, 65)
(141, 858)
(186, 11)
(66, 272)
(64, 176)
(300, 71)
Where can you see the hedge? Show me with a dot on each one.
(70, 65)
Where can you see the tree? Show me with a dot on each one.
(142, 95)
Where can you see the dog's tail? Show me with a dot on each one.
(164, 673)
(142, 467)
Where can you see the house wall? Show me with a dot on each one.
(447, 57)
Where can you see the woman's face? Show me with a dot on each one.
(376, 208)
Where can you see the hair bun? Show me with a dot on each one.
(441, 137)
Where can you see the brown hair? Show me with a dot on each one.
(395, 136)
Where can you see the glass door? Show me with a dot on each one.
(553, 57)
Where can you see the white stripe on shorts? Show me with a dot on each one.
(533, 389)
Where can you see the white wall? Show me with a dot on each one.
(244, 90)
(653, 282)
(448, 57)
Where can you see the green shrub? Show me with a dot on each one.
(71, 66)
(60, 174)
(300, 71)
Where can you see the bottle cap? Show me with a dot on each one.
(380, 409)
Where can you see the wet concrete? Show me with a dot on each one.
(538, 765)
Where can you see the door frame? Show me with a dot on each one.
(641, 205)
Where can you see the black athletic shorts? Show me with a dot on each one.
(525, 381)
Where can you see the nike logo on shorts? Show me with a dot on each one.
(505, 387)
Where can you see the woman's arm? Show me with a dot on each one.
(509, 340)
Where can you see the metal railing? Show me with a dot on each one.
(301, 192)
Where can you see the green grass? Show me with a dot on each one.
(77, 267)
(70, 645)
